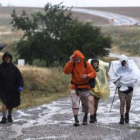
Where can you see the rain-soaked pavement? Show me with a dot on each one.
(55, 122)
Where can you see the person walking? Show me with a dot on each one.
(11, 84)
(101, 89)
(125, 79)
(81, 72)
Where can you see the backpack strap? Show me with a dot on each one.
(85, 63)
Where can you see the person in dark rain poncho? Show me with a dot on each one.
(11, 84)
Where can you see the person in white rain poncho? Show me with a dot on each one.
(124, 76)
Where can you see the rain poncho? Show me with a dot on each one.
(101, 89)
(127, 75)
(10, 80)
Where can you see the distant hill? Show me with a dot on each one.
(5, 14)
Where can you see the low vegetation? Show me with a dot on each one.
(126, 39)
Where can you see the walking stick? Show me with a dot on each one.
(113, 97)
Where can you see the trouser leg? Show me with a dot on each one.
(75, 106)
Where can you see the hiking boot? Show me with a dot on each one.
(76, 124)
(121, 120)
(95, 119)
(85, 120)
(3, 120)
(10, 118)
(126, 118)
(91, 119)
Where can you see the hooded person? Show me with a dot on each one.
(80, 87)
(125, 74)
(101, 89)
(125, 79)
(11, 84)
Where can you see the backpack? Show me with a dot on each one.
(91, 81)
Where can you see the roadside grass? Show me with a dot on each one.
(35, 98)
(43, 85)
(10, 37)
(109, 59)
(4, 29)
(126, 39)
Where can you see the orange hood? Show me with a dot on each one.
(78, 54)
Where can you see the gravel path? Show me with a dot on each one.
(55, 122)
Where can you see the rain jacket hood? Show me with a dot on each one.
(122, 58)
(78, 54)
(124, 75)
(5, 55)
(123, 70)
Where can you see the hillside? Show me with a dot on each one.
(5, 14)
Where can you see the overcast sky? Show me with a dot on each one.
(87, 3)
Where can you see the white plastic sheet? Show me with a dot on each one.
(130, 79)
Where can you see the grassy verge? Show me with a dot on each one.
(126, 39)
(35, 98)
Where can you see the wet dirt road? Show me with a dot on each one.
(118, 20)
(55, 122)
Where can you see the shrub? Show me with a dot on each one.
(39, 63)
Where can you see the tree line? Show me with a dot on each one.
(53, 34)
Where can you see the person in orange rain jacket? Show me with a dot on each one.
(80, 86)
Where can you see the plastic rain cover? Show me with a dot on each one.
(101, 89)
(127, 76)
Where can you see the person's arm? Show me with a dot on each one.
(69, 66)
(19, 78)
